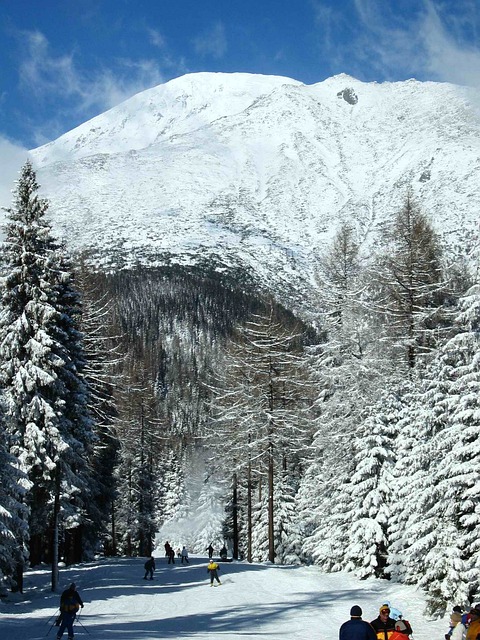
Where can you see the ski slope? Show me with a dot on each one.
(254, 601)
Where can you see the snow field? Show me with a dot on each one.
(255, 601)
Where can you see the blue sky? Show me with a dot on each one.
(64, 61)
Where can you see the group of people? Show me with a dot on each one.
(170, 553)
(384, 627)
(464, 625)
(212, 568)
(222, 553)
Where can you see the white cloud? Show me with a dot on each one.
(431, 43)
(448, 56)
(156, 38)
(432, 40)
(81, 92)
(213, 42)
(12, 158)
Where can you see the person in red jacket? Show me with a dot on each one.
(384, 625)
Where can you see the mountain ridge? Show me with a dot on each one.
(260, 171)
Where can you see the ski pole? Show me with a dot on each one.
(78, 621)
(55, 621)
(53, 616)
(51, 627)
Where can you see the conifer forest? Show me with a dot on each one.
(346, 437)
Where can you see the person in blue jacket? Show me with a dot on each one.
(356, 628)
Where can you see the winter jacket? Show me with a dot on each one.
(70, 601)
(150, 564)
(473, 629)
(212, 566)
(459, 632)
(384, 630)
(357, 629)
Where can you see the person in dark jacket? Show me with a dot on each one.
(356, 628)
(384, 625)
(149, 568)
(70, 603)
(167, 549)
(210, 551)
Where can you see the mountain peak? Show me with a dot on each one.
(259, 171)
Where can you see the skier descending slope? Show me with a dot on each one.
(213, 569)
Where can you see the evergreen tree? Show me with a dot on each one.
(102, 356)
(262, 407)
(13, 514)
(412, 289)
(450, 520)
(41, 364)
(370, 490)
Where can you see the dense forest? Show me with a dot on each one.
(347, 438)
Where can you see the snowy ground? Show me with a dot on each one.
(258, 601)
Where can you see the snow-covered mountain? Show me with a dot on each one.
(259, 171)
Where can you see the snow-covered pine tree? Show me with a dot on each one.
(370, 489)
(102, 357)
(261, 407)
(288, 542)
(450, 531)
(412, 289)
(347, 370)
(323, 504)
(41, 365)
(171, 497)
(13, 514)
(136, 521)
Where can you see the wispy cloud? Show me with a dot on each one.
(79, 91)
(449, 56)
(213, 42)
(156, 38)
(433, 39)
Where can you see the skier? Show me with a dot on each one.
(213, 570)
(384, 625)
(356, 628)
(167, 549)
(149, 568)
(70, 603)
(184, 554)
(223, 553)
(210, 551)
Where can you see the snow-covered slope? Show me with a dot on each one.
(260, 171)
(254, 602)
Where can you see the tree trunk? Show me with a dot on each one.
(249, 511)
(271, 541)
(114, 533)
(18, 577)
(56, 514)
(235, 517)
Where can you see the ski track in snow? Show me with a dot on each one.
(254, 601)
